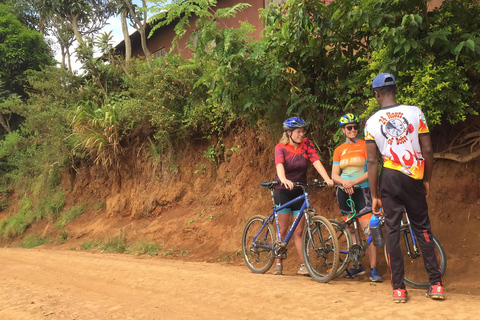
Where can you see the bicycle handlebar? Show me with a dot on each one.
(315, 183)
(354, 187)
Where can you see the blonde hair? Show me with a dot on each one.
(285, 138)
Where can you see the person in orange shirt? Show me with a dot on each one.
(349, 169)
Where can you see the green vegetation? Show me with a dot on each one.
(68, 216)
(62, 237)
(89, 245)
(116, 244)
(144, 247)
(314, 61)
(15, 225)
(33, 240)
(17, 40)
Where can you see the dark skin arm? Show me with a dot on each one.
(427, 153)
(372, 169)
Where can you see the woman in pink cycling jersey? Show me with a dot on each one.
(292, 155)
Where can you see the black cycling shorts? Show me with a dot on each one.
(361, 198)
(282, 196)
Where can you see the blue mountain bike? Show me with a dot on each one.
(261, 245)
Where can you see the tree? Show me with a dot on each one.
(138, 18)
(21, 49)
(83, 17)
(123, 10)
(26, 13)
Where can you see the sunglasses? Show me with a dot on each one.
(349, 128)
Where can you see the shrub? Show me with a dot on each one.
(116, 244)
(33, 240)
(68, 216)
(145, 247)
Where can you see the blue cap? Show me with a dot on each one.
(382, 80)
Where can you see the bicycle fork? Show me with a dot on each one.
(416, 253)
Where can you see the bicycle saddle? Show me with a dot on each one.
(269, 184)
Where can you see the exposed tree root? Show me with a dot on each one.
(471, 139)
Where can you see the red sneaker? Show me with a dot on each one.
(399, 295)
(436, 291)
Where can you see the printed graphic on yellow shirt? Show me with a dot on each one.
(397, 137)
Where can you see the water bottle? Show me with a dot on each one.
(376, 231)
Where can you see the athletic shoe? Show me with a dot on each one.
(436, 291)
(278, 269)
(375, 276)
(399, 295)
(303, 270)
(355, 271)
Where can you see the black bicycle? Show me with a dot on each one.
(415, 274)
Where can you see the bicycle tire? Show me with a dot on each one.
(415, 274)
(321, 251)
(259, 260)
(344, 243)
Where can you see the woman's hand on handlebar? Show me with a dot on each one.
(288, 184)
(330, 182)
(348, 186)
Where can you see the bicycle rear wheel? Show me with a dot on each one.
(320, 250)
(415, 274)
(257, 244)
(344, 243)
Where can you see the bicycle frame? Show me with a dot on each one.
(274, 216)
(416, 252)
(354, 221)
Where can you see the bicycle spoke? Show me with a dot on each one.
(257, 245)
(320, 249)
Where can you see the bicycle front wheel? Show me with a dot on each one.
(415, 274)
(344, 243)
(320, 249)
(257, 244)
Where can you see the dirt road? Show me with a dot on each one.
(57, 284)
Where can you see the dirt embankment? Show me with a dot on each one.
(197, 211)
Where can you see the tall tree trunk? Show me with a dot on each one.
(74, 27)
(4, 123)
(69, 59)
(126, 37)
(62, 49)
(141, 27)
(143, 38)
(41, 24)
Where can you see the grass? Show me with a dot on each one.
(89, 245)
(145, 247)
(184, 253)
(168, 253)
(68, 216)
(98, 205)
(62, 237)
(32, 241)
(16, 224)
(116, 244)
